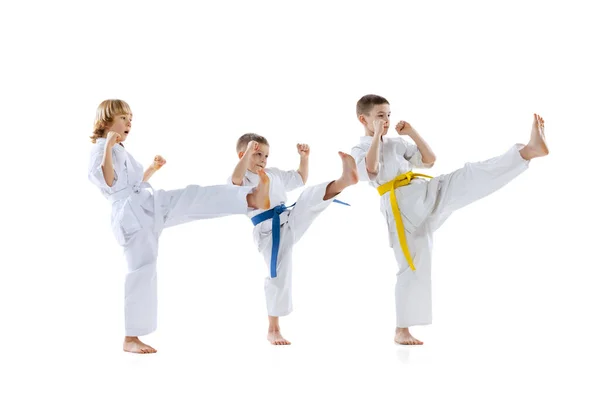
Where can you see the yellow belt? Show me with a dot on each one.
(400, 180)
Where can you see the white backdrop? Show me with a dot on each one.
(515, 275)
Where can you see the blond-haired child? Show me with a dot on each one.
(140, 213)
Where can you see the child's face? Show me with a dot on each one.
(379, 112)
(258, 160)
(121, 124)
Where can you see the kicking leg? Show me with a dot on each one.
(477, 180)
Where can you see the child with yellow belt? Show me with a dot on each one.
(416, 205)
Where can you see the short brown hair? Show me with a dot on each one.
(367, 102)
(106, 113)
(246, 138)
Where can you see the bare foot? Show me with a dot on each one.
(275, 338)
(403, 336)
(349, 171)
(134, 345)
(537, 146)
(259, 199)
(349, 176)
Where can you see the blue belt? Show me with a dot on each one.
(274, 214)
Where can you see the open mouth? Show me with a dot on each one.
(126, 132)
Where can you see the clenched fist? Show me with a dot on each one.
(378, 127)
(303, 149)
(159, 161)
(113, 138)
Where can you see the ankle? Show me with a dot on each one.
(251, 200)
(333, 189)
(526, 153)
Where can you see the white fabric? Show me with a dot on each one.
(137, 226)
(425, 205)
(294, 223)
(280, 182)
(396, 157)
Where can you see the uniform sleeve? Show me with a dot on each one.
(359, 153)
(95, 174)
(290, 179)
(413, 155)
(230, 181)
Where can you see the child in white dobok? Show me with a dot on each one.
(140, 213)
(415, 205)
(278, 229)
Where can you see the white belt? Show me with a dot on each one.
(133, 194)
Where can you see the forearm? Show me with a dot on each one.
(240, 171)
(108, 169)
(427, 154)
(149, 172)
(372, 158)
(303, 169)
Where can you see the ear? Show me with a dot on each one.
(241, 154)
(362, 119)
(107, 123)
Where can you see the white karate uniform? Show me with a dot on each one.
(424, 206)
(294, 222)
(137, 225)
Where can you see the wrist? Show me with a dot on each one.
(245, 160)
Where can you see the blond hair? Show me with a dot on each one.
(106, 113)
